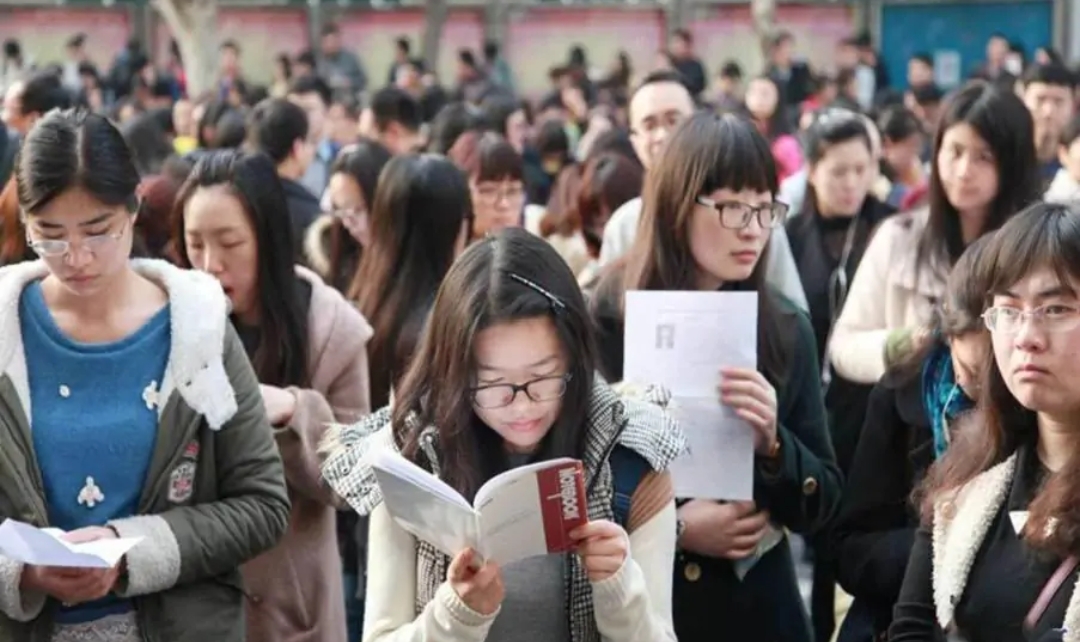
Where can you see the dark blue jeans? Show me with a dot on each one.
(354, 606)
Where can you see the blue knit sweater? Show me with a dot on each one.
(94, 424)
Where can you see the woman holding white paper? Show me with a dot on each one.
(709, 209)
(505, 378)
(128, 408)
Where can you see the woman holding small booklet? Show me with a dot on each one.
(709, 210)
(506, 379)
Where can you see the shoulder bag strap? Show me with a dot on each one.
(1068, 565)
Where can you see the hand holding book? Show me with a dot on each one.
(478, 585)
(527, 511)
(603, 547)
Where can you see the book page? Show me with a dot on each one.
(681, 340)
(531, 510)
(394, 463)
(432, 512)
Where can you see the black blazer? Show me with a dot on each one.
(875, 529)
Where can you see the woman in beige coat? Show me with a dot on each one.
(308, 345)
(984, 171)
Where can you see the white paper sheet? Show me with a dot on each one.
(681, 340)
(719, 463)
(43, 547)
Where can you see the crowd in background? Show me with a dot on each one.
(334, 205)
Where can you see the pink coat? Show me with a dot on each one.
(294, 590)
(787, 152)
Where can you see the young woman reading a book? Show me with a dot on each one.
(504, 379)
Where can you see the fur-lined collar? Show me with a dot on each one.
(317, 246)
(198, 312)
(960, 526)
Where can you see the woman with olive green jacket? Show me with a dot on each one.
(214, 494)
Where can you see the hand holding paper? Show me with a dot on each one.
(47, 547)
(752, 397)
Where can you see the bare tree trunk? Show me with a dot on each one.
(763, 13)
(435, 14)
(193, 24)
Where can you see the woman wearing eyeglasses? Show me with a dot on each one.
(334, 242)
(709, 210)
(996, 557)
(507, 378)
(910, 420)
(984, 171)
(128, 408)
(496, 180)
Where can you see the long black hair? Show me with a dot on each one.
(280, 358)
(363, 162)
(420, 207)
(706, 152)
(508, 276)
(1002, 120)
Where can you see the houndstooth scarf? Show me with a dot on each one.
(638, 424)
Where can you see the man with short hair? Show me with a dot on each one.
(341, 67)
(396, 117)
(313, 95)
(279, 129)
(230, 73)
(24, 103)
(792, 76)
(1048, 95)
(686, 63)
(76, 57)
(402, 53)
(920, 70)
(657, 107)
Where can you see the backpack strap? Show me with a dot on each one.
(627, 470)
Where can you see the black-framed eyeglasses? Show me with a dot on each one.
(501, 395)
(736, 215)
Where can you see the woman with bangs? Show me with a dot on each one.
(984, 171)
(996, 556)
(334, 243)
(496, 180)
(709, 210)
(909, 422)
(506, 378)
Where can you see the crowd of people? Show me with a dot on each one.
(214, 308)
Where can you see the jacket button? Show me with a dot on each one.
(255, 599)
(809, 486)
(692, 571)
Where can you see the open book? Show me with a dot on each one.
(521, 513)
(28, 544)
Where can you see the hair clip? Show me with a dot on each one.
(557, 305)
